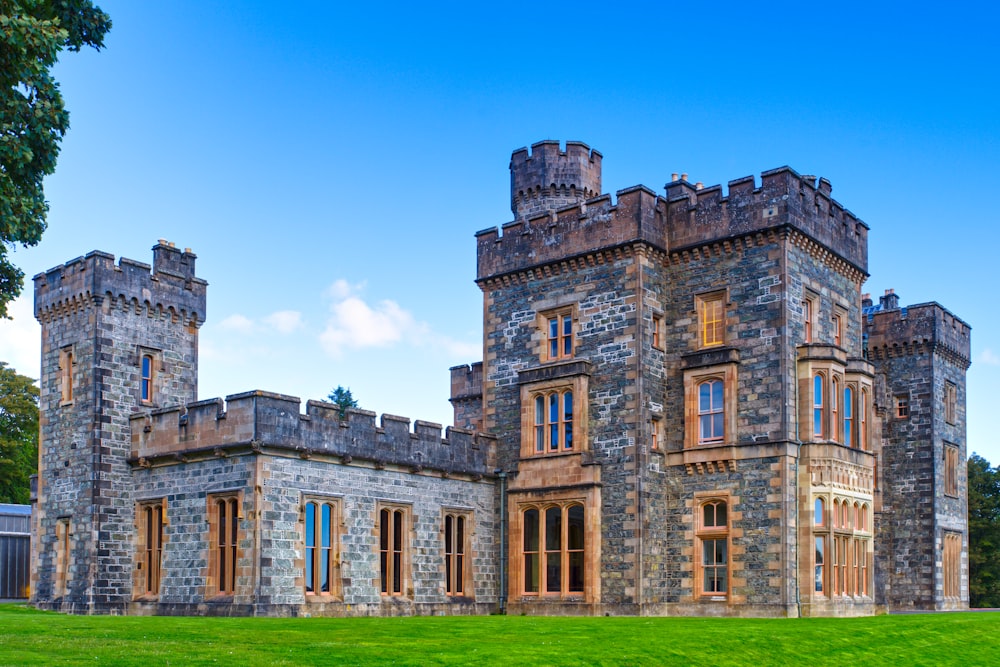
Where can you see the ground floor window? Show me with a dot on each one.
(224, 519)
(713, 537)
(393, 527)
(63, 546)
(456, 534)
(951, 565)
(553, 549)
(150, 519)
(322, 560)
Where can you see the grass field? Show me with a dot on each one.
(29, 637)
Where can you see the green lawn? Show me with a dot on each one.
(29, 637)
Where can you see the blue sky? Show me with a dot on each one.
(330, 162)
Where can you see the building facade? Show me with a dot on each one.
(685, 406)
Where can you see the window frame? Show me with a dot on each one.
(810, 309)
(656, 331)
(951, 565)
(458, 576)
(694, 378)
(63, 556)
(67, 360)
(393, 552)
(950, 402)
(313, 558)
(714, 534)
(717, 301)
(148, 576)
(540, 550)
(902, 406)
(576, 385)
(562, 347)
(225, 533)
(951, 469)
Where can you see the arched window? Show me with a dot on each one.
(834, 412)
(818, 406)
(711, 412)
(713, 533)
(849, 417)
(553, 549)
(819, 512)
(836, 513)
(146, 382)
(227, 526)
(554, 422)
(863, 426)
(454, 553)
(320, 542)
(392, 550)
(820, 564)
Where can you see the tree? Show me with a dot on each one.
(18, 435)
(33, 118)
(342, 398)
(984, 533)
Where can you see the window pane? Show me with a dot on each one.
(708, 515)
(716, 394)
(705, 397)
(574, 518)
(720, 515)
(553, 572)
(553, 529)
(310, 525)
(818, 512)
(531, 573)
(326, 529)
(568, 420)
(531, 530)
(576, 572)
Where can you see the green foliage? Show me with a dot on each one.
(343, 399)
(18, 434)
(26, 638)
(33, 119)
(984, 533)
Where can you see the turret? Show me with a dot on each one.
(549, 178)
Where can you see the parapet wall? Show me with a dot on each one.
(697, 216)
(550, 178)
(169, 286)
(572, 231)
(263, 419)
(925, 325)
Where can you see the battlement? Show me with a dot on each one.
(466, 381)
(168, 287)
(262, 419)
(572, 231)
(550, 178)
(696, 216)
(924, 326)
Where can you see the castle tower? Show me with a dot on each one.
(921, 354)
(115, 338)
(549, 178)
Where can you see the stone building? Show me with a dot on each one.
(685, 406)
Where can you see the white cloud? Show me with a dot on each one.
(356, 324)
(238, 323)
(20, 338)
(989, 357)
(284, 321)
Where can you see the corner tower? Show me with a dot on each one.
(549, 178)
(115, 338)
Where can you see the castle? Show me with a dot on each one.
(685, 406)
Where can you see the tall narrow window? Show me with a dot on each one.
(66, 375)
(838, 329)
(150, 517)
(950, 470)
(849, 417)
(554, 422)
(818, 406)
(392, 550)
(950, 402)
(807, 320)
(819, 513)
(834, 410)
(62, 557)
(560, 335)
(711, 320)
(951, 565)
(711, 412)
(146, 382)
(454, 553)
(553, 549)
(226, 544)
(321, 561)
(863, 422)
(657, 332)
(714, 538)
(820, 576)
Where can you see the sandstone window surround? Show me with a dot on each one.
(456, 525)
(711, 311)
(558, 327)
(553, 549)
(554, 409)
(321, 525)
(951, 565)
(710, 390)
(63, 549)
(393, 531)
(837, 322)
(656, 331)
(150, 363)
(950, 402)
(150, 521)
(843, 542)
(712, 572)
(951, 470)
(902, 406)
(224, 536)
(810, 309)
(67, 360)
(834, 397)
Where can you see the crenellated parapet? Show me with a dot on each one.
(267, 421)
(574, 231)
(168, 288)
(921, 328)
(549, 178)
(696, 216)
